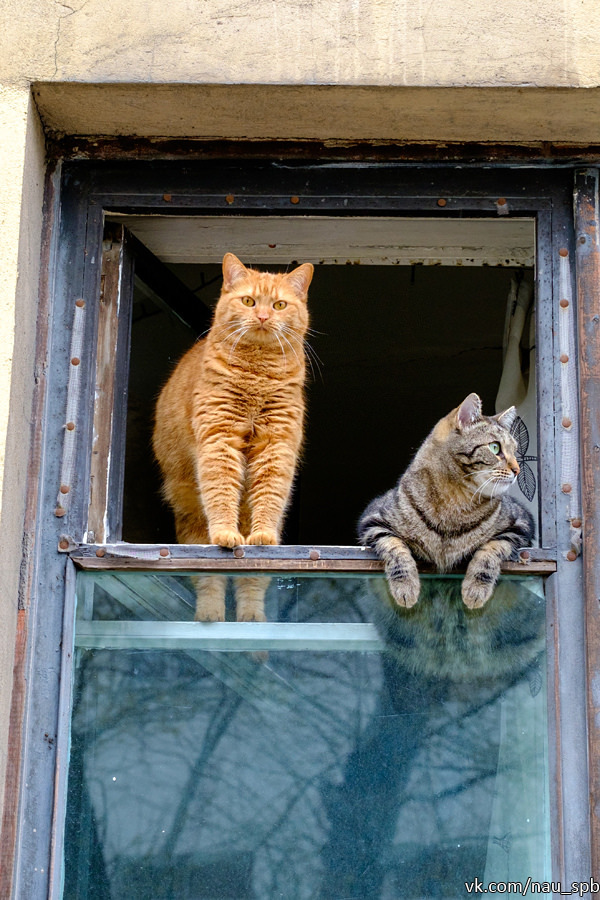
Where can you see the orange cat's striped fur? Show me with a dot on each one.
(229, 421)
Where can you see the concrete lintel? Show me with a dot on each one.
(321, 112)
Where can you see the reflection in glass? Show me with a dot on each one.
(409, 762)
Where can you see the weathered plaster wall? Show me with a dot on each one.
(21, 188)
(384, 42)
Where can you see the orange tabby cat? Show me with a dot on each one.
(229, 423)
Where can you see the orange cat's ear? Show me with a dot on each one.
(233, 270)
(468, 412)
(300, 278)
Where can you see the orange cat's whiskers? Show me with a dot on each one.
(309, 351)
(244, 329)
(289, 343)
(282, 350)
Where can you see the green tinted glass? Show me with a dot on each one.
(337, 750)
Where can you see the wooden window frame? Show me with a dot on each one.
(78, 196)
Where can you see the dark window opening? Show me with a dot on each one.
(396, 347)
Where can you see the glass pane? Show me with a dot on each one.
(338, 750)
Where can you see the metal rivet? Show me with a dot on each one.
(563, 251)
(229, 198)
(564, 358)
(64, 488)
(75, 361)
(314, 554)
(564, 304)
(80, 303)
(501, 201)
(294, 199)
(101, 552)
(70, 426)
(239, 552)
(566, 488)
(167, 197)
(582, 240)
(566, 422)
(163, 551)
(571, 556)
(525, 555)
(576, 523)
(60, 511)
(64, 544)
(441, 202)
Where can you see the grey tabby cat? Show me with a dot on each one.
(451, 505)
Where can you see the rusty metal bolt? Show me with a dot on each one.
(167, 197)
(564, 304)
(314, 555)
(501, 201)
(524, 556)
(294, 199)
(442, 202)
(80, 303)
(63, 544)
(64, 488)
(229, 199)
(566, 488)
(163, 551)
(576, 523)
(70, 426)
(564, 358)
(563, 251)
(60, 511)
(101, 552)
(571, 556)
(566, 422)
(239, 552)
(582, 239)
(75, 361)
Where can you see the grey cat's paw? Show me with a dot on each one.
(477, 587)
(405, 590)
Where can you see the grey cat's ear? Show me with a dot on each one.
(300, 278)
(233, 270)
(507, 417)
(468, 412)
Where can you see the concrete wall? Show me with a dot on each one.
(476, 70)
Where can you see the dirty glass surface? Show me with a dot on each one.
(339, 750)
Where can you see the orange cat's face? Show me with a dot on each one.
(262, 307)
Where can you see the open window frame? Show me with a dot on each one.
(79, 198)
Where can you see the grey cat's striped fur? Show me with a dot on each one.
(450, 505)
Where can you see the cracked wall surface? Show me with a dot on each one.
(382, 42)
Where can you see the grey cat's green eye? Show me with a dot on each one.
(494, 447)
(248, 301)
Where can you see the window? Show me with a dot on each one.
(304, 756)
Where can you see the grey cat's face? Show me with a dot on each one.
(483, 448)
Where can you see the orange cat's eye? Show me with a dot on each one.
(248, 301)
(279, 304)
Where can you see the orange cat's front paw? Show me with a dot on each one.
(226, 537)
(266, 536)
